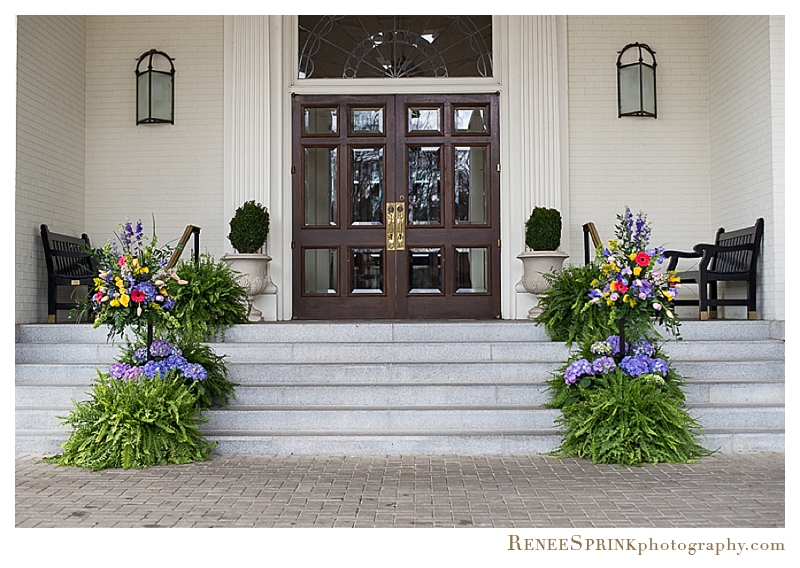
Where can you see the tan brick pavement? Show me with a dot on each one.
(533, 491)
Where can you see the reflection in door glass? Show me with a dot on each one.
(470, 185)
(366, 166)
(424, 119)
(367, 274)
(321, 270)
(366, 120)
(425, 271)
(320, 200)
(320, 120)
(471, 119)
(471, 270)
(424, 177)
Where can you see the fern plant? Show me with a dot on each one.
(629, 421)
(211, 301)
(134, 424)
(566, 314)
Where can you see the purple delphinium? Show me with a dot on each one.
(576, 370)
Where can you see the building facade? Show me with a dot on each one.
(713, 157)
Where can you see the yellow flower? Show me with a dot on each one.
(114, 303)
(637, 271)
(145, 269)
(124, 300)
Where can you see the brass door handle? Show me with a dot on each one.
(396, 226)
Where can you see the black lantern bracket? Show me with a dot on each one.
(155, 88)
(636, 81)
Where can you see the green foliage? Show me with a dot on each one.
(249, 227)
(628, 421)
(543, 229)
(566, 314)
(134, 425)
(212, 301)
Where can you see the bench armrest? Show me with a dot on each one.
(675, 255)
(711, 251)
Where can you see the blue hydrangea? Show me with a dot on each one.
(603, 365)
(643, 347)
(659, 366)
(195, 371)
(576, 370)
(635, 365)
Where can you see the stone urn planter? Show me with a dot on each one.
(253, 275)
(249, 231)
(535, 263)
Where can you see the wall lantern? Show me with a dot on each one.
(155, 89)
(636, 80)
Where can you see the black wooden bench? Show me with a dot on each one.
(732, 258)
(69, 263)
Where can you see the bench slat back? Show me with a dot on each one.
(68, 256)
(729, 262)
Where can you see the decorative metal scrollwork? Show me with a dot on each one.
(394, 46)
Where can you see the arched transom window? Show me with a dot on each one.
(394, 46)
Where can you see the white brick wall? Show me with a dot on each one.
(658, 166)
(50, 148)
(746, 122)
(174, 172)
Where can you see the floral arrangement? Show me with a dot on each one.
(620, 400)
(134, 287)
(633, 283)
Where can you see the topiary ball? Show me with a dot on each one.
(543, 229)
(249, 227)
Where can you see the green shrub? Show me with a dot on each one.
(212, 301)
(566, 315)
(543, 229)
(249, 227)
(134, 424)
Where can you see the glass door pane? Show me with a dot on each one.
(424, 185)
(471, 183)
(321, 271)
(320, 202)
(366, 186)
(425, 271)
(367, 271)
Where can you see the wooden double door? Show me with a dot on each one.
(396, 209)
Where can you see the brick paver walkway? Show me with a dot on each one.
(724, 490)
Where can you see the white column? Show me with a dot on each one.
(536, 149)
(253, 144)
